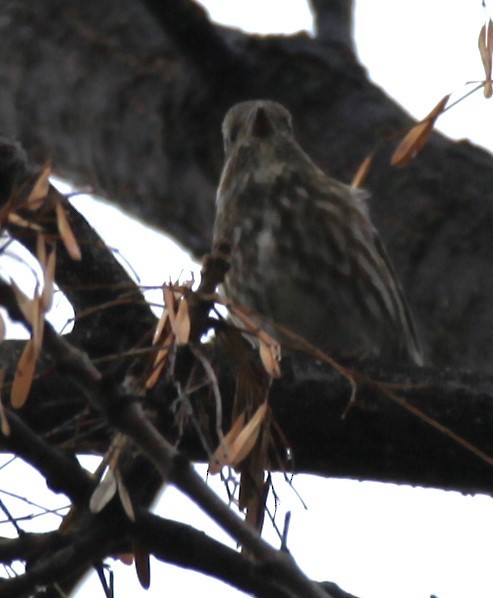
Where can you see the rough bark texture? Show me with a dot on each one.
(128, 97)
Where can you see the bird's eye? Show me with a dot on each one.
(233, 134)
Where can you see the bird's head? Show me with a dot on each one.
(257, 119)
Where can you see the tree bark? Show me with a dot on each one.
(129, 100)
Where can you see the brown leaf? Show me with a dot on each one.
(270, 355)
(142, 565)
(124, 496)
(127, 558)
(5, 212)
(362, 172)
(3, 328)
(169, 300)
(41, 248)
(246, 439)
(412, 144)
(417, 137)
(38, 323)
(269, 348)
(160, 361)
(66, 233)
(163, 336)
(19, 221)
(182, 323)
(104, 492)
(160, 327)
(157, 369)
(4, 422)
(485, 45)
(179, 319)
(438, 109)
(488, 90)
(26, 305)
(170, 304)
(23, 375)
(115, 450)
(40, 189)
(221, 456)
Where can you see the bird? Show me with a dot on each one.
(303, 252)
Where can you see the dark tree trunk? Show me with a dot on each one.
(129, 98)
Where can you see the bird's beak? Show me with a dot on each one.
(260, 124)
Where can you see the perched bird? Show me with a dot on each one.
(304, 252)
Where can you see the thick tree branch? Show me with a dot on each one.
(100, 291)
(148, 134)
(61, 471)
(26, 546)
(90, 544)
(168, 540)
(378, 440)
(334, 21)
(182, 545)
(382, 439)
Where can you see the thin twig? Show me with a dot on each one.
(215, 389)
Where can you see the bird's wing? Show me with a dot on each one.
(352, 234)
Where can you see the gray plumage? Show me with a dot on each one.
(304, 252)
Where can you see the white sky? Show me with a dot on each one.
(375, 540)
